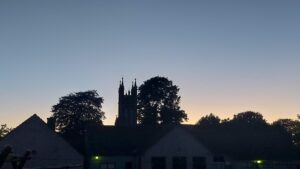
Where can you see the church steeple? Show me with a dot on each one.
(127, 115)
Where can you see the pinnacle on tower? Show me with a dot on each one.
(121, 88)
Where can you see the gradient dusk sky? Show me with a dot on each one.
(226, 56)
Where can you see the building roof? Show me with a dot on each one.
(117, 141)
(48, 148)
(111, 140)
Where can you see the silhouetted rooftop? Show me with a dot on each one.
(256, 144)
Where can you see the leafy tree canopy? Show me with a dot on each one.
(4, 130)
(248, 118)
(292, 127)
(289, 124)
(75, 110)
(209, 121)
(250, 128)
(158, 102)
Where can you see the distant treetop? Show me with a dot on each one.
(158, 102)
(76, 110)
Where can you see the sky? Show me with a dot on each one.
(225, 56)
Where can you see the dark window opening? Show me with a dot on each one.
(107, 166)
(199, 163)
(158, 163)
(128, 165)
(219, 159)
(179, 163)
(228, 166)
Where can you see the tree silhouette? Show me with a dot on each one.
(248, 118)
(297, 134)
(158, 102)
(289, 124)
(209, 121)
(292, 127)
(247, 136)
(4, 130)
(75, 110)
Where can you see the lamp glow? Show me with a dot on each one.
(258, 161)
(97, 157)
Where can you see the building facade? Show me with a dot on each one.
(172, 148)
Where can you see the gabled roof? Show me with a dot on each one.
(112, 141)
(48, 148)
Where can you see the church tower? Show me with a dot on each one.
(127, 115)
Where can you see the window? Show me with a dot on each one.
(107, 166)
(128, 165)
(228, 166)
(179, 163)
(158, 163)
(199, 163)
(219, 159)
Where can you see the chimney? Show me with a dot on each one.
(51, 123)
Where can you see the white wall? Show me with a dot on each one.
(177, 142)
(118, 161)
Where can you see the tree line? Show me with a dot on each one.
(254, 121)
(158, 104)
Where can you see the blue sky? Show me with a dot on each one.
(226, 57)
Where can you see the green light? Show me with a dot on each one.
(97, 157)
(258, 161)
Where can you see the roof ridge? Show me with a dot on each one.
(34, 116)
